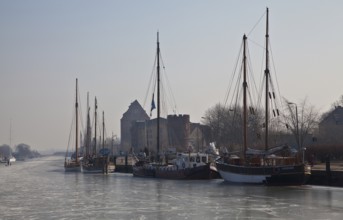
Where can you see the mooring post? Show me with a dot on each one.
(328, 169)
(126, 164)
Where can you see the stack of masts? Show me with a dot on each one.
(94, 149)
(266, 72)
(88, 129)
(74, 164)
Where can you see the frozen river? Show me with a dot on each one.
(39, 189)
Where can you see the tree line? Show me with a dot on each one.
(21, 152)
(296, 125)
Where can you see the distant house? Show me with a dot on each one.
(174, 134)
(331, 127)
(133, 114)
(199, 137)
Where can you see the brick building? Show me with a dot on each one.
(144, 135)
(176, 133)
(133, 114)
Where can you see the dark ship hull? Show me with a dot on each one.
(97, 165)
(172, 172)
(270, 175)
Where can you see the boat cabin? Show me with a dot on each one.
(260, 160)
(184, 160)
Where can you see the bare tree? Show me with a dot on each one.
(302, 121)
(214, 118)
(227, 126)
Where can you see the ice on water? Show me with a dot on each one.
(40, 189)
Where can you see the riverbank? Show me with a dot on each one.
(327, 174)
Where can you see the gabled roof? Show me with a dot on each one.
(336, 115)
(134, 109)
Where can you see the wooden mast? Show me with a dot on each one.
(104, 163)
(266, 72)
(244, 97)
(88, 128)
(95, 120)
(77, 125)
(10, 133)
(158, 97)
(103, 129)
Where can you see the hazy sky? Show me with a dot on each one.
(110, 47)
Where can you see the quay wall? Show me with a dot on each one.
(327, 174)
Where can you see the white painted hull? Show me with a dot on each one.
(270, 175)
(12, 160)
(243, 178)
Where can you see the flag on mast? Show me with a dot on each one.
(153, 106)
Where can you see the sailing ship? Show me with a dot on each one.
(95, 161)
(262, 166)
(9, 159)
(73, 164)
(184, 166)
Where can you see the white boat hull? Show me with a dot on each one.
(243, 178)
(12, 160)
(270, 175)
